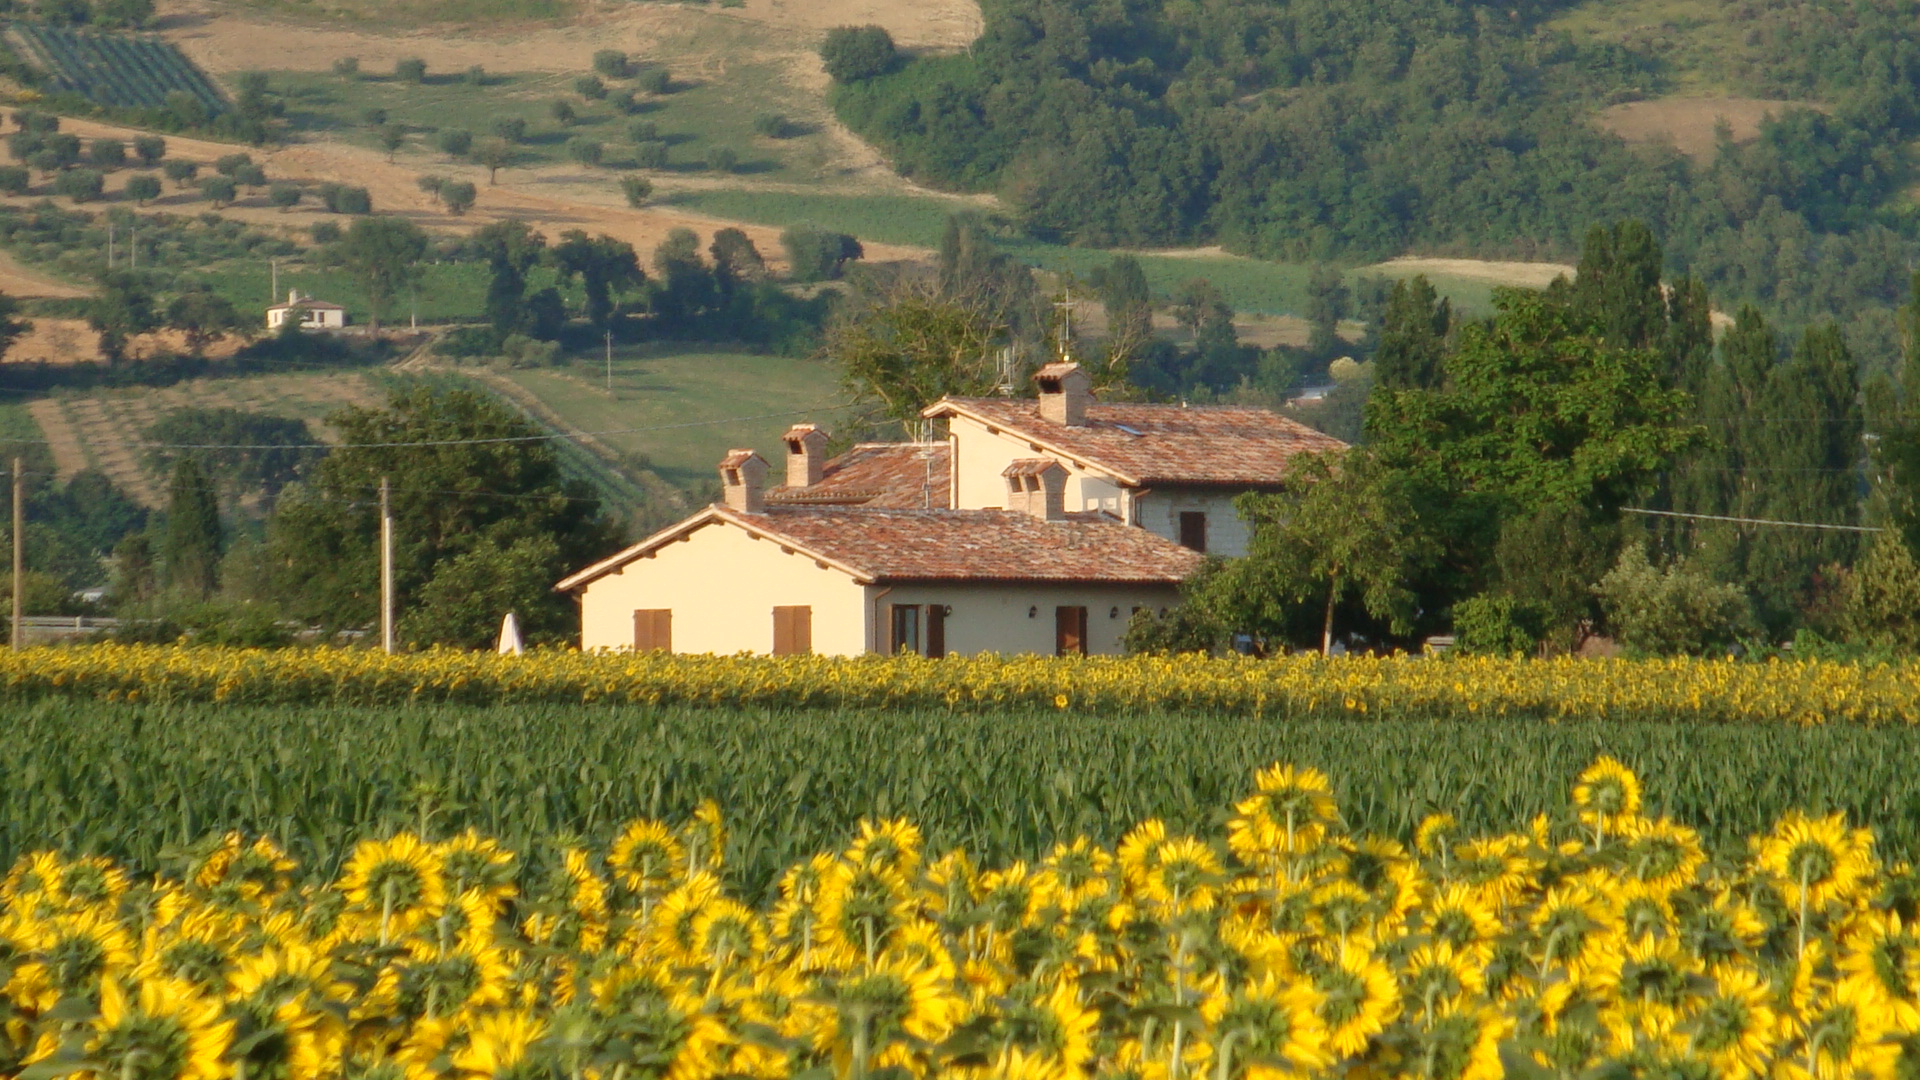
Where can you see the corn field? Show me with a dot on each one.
(142, 783)
(1600, 940)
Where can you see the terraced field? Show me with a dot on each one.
(103, 430)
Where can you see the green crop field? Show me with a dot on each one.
(447, 292)
(138, 781)
(113, 69)
(681, 409)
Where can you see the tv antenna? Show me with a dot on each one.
(1066, 322)
(1007, 364)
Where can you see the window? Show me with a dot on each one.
(921, 630)
(906, 630)
(792, 631)
(653, 630)
(1069, 631)
(1193, 530)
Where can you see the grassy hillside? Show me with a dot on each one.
(679, 410)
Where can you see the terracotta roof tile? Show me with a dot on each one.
(1207, 445)
(982, 545)
(1033, 466)
(879, 546)
(879, 475)
(737, 458)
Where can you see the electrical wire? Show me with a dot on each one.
(1749, 521)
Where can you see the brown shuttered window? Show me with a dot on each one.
(936, 631)
(1069, 631)
(1193, 530)
(653, 630)
(906, 629)
(792, 631)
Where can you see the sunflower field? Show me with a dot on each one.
(1727, 691)
(1603, 941)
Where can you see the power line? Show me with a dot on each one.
(1750, 521)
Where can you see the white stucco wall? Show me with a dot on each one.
(980, 456)
(1159, 513)
(993, 618)
(722, 586)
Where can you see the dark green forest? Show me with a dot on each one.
(1353, 131)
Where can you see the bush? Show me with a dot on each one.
(431, 185)
(182, 173)
(36, 122)
(324, 232)
(341, 199)
(562, 112)
(854, 53)
(476, 76)
(585, 151)
(229, 164)
(143, 188)
(637, 189)
(1881, 604)
(467, 342)
(654, 80)
(1496, 625)
(624, 101)
(772, 125)
(511, 128)
(285, 196)
(347, 67)
(650, 155)
(80, 185)
(722, 159)
(107, 154)
(455, 142)
(373, 116)
(1671, 612)
(219, 190)
(187, 109)
(250, 176)
(640, 131)
(458, 196)
(590, 87)
(412, 69)
(817, 254)
(17, 180)
(612, 63)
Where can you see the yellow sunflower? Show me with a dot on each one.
(163, 1030)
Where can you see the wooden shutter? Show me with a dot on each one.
(653, 630)
(936, 631)
(1193, 530)
(1069, 631)
(792, 631)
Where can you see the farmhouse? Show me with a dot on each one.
(1170, 469)
(308, 313)
(791, 577)
(1037, 526)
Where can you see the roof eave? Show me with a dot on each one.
(626, 555)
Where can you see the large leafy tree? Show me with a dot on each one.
(383, 254)
(1340, 527)
(904, 344)
(604, 266)
(473, 487)
(511, 248)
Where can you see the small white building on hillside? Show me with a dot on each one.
(756, 576)
(310, 314)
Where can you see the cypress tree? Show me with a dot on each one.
(1413, 337)
(193, 538)
(1803, 464)
(1618, 294)
(1716, 480)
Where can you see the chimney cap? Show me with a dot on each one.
(799, 430)
(736, 458)
(1059, 369)
(1031, 467)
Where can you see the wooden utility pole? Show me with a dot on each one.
(609, 359)
(386, 566)
(19, 639)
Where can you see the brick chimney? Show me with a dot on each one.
(1037, 486)
(1065, 392)
(806, 455)
(743, 479)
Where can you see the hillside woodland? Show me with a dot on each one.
(1329, 129)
